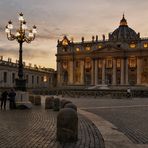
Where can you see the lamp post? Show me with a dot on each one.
(21, 37)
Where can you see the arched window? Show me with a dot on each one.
(145, 45)
(132, 45)
(77, 49)
(87, 48)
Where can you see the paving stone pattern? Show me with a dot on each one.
(135, 135)
(36, 128)
(130, 116)
(126, 121)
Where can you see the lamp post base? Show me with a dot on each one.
(20, 84)
(22, 100)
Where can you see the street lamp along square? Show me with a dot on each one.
(21, 37)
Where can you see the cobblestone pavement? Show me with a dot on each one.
(36, 128)
(129, 116)
(131, 121)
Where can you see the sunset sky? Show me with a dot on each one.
(74, 18)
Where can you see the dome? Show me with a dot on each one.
(123, 32)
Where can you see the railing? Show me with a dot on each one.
(144, 38)
(88, 42)
(112, 93)
(96, 93)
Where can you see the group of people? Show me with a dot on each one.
(8, 96)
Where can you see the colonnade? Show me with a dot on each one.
(94, 72)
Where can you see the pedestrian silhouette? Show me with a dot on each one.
(12, 95)
(4, 96)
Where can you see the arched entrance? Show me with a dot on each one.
(65, 77)
(88, 66)
(108, 78)
(88, 78)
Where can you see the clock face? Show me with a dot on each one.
(65, 42)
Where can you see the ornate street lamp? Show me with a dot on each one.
(21, 37)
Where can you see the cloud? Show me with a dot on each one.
(74, 18)
(27, 53)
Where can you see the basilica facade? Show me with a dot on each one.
(122, 59)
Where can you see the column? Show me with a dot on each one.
(92, 72)
(139, 69)
(71, 67)
(40, 80)
(103, 71)
(26, 79)
(82, 72)
(126, 72)
(122, 71)
(35, 78)
(96, 72)
(114, 71)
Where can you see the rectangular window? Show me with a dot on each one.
(27, 77)
(32, 79)
(45, 78)
(118, 63)
(132, 62)
(13, 77)
(5, 77)
(37, 79)
(42, 78)
(109, 63)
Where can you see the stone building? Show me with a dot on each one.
(122, 59)
(36, 77)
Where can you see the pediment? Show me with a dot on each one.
(108, 49)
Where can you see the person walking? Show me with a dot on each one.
(129, 95)
(12, 95)
(4, 96)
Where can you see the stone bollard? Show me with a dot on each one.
(71, 105)
(64, 102)
(31, 99)
(56, 104)
(37, 100)
(61, 102)
(67, 125)
(49, 103)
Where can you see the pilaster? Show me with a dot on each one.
(114, 71)
(103, 71)
(139, 69)
(96, 72)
